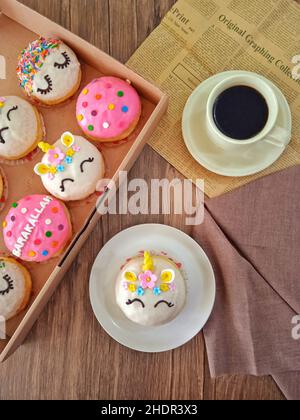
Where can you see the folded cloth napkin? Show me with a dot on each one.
(252, 237)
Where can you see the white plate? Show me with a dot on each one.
(200, 281)
(244, 160)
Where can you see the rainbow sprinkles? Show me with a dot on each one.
(32, 60)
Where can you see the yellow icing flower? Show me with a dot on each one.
(167, 276)
(67, 139)
(42, 169)
(70, 153)
(45, 147)
(52, 170)
(164, 287)
(132, 287)
(130, 276)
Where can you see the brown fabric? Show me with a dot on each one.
(252, 237)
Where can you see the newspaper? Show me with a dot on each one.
(199, 38)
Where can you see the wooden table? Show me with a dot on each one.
(67, 355)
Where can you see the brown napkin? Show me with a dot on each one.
(252, 237)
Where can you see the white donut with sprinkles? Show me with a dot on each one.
(49, 71)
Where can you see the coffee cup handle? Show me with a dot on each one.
(279, 137)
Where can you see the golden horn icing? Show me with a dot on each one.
(45, 147)
(148, 262)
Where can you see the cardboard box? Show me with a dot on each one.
(18, 26)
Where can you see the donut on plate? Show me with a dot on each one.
(150, 290)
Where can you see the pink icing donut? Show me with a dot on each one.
(108, 109)
(37, 228)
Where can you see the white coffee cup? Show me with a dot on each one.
(271, 133)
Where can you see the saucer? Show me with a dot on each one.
(200, 282)
(242, 160)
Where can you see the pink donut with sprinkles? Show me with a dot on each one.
(108, 109)
(37, 228)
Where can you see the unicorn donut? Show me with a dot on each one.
(71, 168)
(49, 71)
(150, 290)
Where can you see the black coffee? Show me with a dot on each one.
(240, 112)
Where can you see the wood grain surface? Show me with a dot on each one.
(67, 355)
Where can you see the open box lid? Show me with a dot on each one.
(18, 18)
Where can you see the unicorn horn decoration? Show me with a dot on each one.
(148, 262)
(45, 147)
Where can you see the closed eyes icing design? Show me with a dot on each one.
(49, 88)
(66, 63)
(10, 285)
(14, 108)
(8, 116)
(58, 159)
(148, 282)
(62, 185)
(131, 301)
(89, 160)
(8, 280)
(2, 130)
(169, 304)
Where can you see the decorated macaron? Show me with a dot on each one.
(71, 168)
(49, 71)
(37, 228)
(108, 109)
(15, 288)
(150, 289)
(21, 128)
